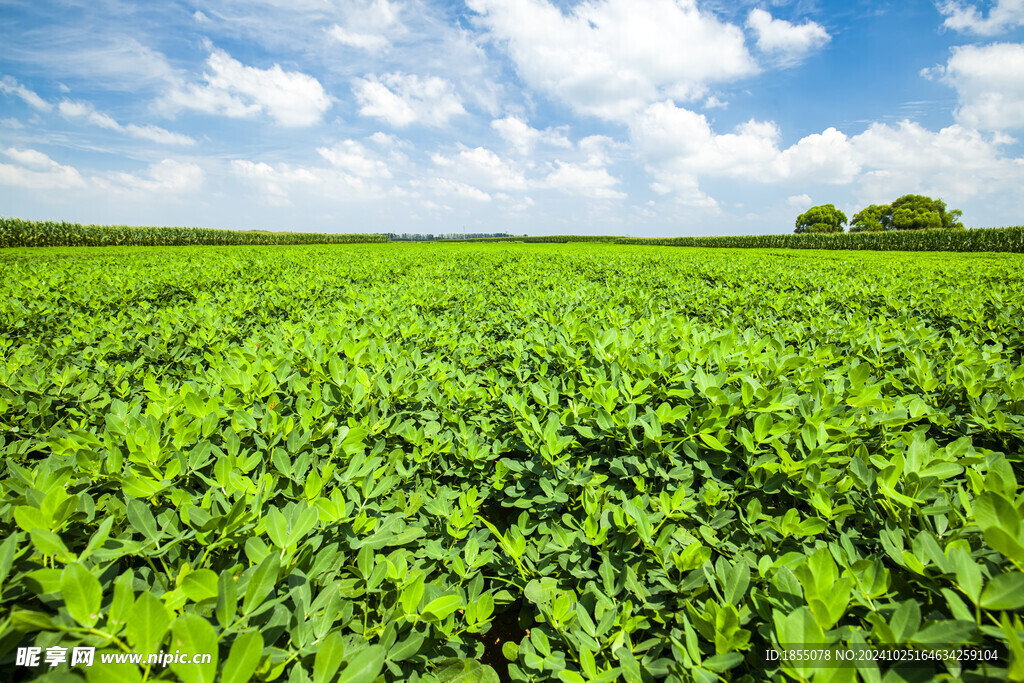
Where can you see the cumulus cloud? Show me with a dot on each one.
(678, 142)
(167, 177)
(589, 179)
(366, 27)
(446, 187)
(786, 42)
(483, 167)
(11, 86)
(276, 183)
(403, 99)
(230, 88)
(83, 110)
(799, 201)
(1003, 16)
(989, 80)
(34, 170)
(610, 59)
(354, 158)
(679, 147)
(523, 137)
(955, 163)
(273, 182)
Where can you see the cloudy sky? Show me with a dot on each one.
(641, 117)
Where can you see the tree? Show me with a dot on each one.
(918, 212)
(824, 218)
(869, 219)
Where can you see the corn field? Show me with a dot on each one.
(15, 232)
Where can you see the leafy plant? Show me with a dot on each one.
(579, 462)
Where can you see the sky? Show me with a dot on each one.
(610, 117)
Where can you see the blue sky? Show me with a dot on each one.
(640, 117)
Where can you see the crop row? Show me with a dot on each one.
(15, 232)
(516, 462)
(976, 240)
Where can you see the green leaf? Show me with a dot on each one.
(112, 673)
(797, 628)
(243, 658)
(906, 620)
(277, 527)
(147, 623)
(630, 667)
(200, 585)
(82, 594)
(1006, 544)
(329, 657)
(992, 510)
(261, 582)
(7, 551)
(441, 607)
(193, 635)
(712, 441)
(1004, 592)
(736, 583)
(947, 631)
(406, 647)
(364, 666)
(227, 599)
(49, 543)
(123, 601)
(302, 524)
(412, 594)
(587, 662)
(142, 519)
(141, 487)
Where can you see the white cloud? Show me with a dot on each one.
(354, 158)
(404, 99)
(35, 171)
(955, 163)
(276, 183)
(677, 142)
(167, 177)
(590, 179)
(799, 201)
(679, 148)
(786, 42)
(366, 28)
(232, 89)
(524, 137)
(1005, 15)
(482, 166)
(611, 58)
(110, 60)
(989, 80)
(454, 188)
(826, 157)
(73, 110)
(12, 87)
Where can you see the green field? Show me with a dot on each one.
(529, 462)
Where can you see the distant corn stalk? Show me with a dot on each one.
(15, 232)
(981, 239)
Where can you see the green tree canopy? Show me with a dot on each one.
(824, 218)
(918, 212)
(869, 219)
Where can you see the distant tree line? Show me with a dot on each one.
(909, 212)
(416, 237)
